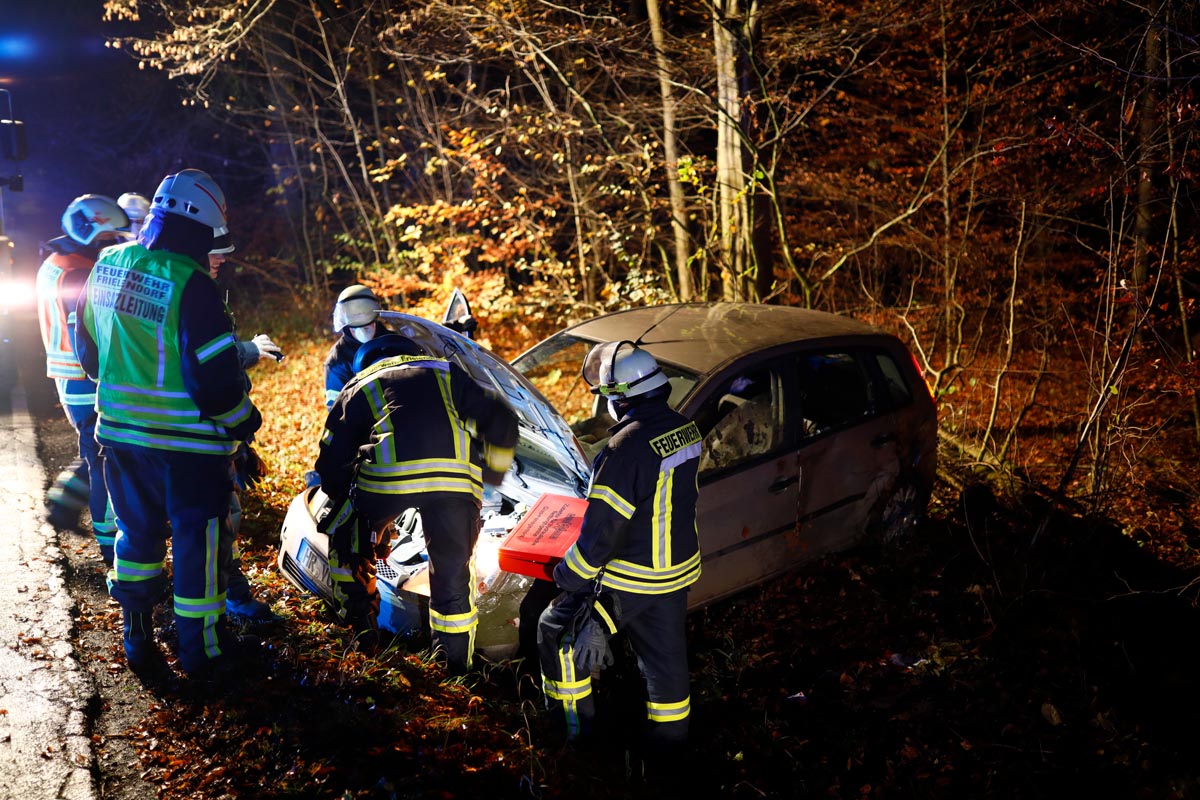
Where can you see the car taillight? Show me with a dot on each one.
(921, 375)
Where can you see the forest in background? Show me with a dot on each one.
(1008, 185)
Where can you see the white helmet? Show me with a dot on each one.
(90, 215)
(222, 242)
(622, 369)
(193, 194)
(134, 205)
(356, 306)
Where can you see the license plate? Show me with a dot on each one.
(315, 564)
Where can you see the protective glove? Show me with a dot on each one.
(261, 345)
(591, 646)
(250, 467)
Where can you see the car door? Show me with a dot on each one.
(749, 481)
(847, 447)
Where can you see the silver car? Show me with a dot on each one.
(817, 428)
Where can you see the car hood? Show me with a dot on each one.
(548, 457)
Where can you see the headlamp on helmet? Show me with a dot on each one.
(621, 369)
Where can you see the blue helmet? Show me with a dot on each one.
(385, 346)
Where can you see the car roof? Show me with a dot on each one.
(702, 336)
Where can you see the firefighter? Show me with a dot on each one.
(245, 468)
(172, 407)
(636, 554)
(136, 207)
(356, 319)
(90, 223)
(400, 436)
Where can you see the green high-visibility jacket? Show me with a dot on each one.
(153, 333)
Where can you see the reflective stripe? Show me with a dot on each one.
(236, 415)
(196, 607)
(604, 615)
(640, 579)
(165, 442)
(675, 459)
(136, 571)
(578, 564)
(567, 690)
(425, 484)
(148, 392)
(420, 466)
(669, 712)
(610, 496)
(205, 352)
(660, 522)
(453, 623)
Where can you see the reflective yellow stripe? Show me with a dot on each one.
(610, 496)
(669, 712)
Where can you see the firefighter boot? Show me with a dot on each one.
(141, 651)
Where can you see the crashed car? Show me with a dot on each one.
(818, 429)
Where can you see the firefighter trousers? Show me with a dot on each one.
(161, 494)
(655, 625)
(451, 527)
(82, 483)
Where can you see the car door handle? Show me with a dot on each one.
(781, 484)
(883, 439)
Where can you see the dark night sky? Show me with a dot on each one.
(79, 102)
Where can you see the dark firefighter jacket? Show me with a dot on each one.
(153, 333)
(405, 425)
(640, 524)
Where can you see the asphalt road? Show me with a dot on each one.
(45, 745)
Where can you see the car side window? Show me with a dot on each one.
(742, 420)
(897, 389)
(835, 391)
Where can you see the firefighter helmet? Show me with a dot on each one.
(90, 215)
(385, 346)
(134, 205)
(356, 307)
(621, 370)
(193, 194)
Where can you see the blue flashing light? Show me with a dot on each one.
(17, 47)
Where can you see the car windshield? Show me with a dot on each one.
(554, 366)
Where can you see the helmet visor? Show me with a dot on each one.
(355, 313)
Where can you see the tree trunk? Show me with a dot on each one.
(682, 249)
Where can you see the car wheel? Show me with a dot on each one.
(899, 513)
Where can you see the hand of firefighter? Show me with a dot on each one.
(251, 469)
(261, 345)
(497, 460)
(591, 646)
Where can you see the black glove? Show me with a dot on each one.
(591, 646)
(251, 469)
